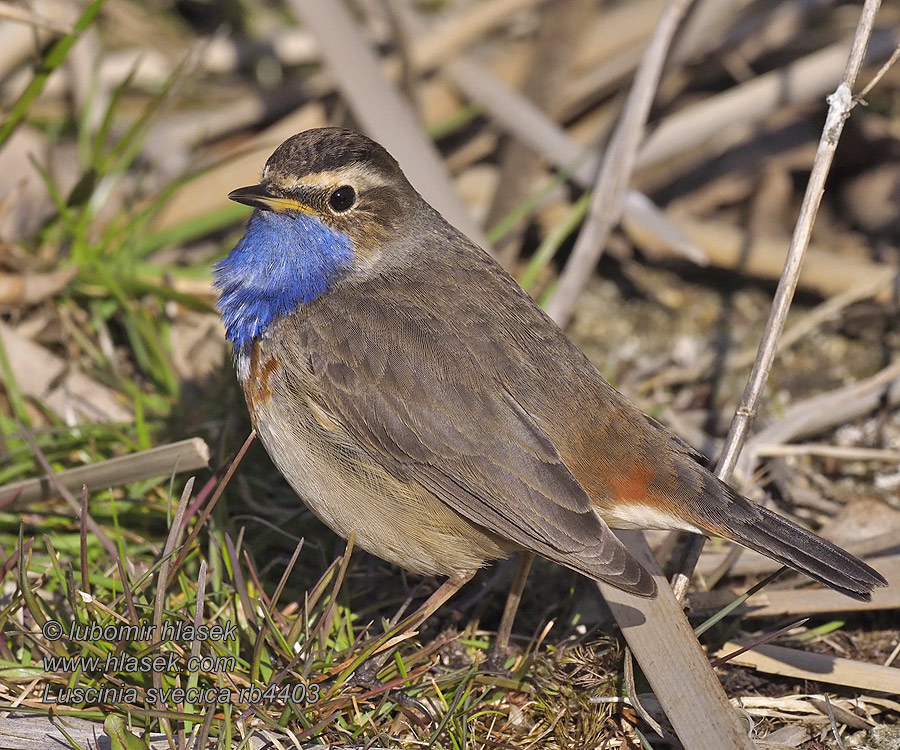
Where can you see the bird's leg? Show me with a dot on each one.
(366, 673)
(497, 654)
(431, 605)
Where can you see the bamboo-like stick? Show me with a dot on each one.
(164, 460)
(673, 662)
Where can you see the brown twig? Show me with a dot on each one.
(163, 582)
(880, 74)
(808, 601)
(525, 122)
(806, 665)
(840, 104)
(632, 693)
(29, 17)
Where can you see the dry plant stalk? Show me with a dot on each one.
(840, 104)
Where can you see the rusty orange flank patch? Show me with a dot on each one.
(256, 386)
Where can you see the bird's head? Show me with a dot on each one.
(328, 204)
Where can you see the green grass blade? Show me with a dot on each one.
(553, 241)
(55, 57)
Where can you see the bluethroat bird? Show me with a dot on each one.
(417, 399)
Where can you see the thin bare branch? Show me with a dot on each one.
(840, 104)
(880, 74)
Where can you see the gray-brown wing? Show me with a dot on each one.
(409, 390)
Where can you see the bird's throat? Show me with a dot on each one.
(282, 262)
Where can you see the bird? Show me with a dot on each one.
(421, 403)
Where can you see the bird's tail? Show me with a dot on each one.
(772, 535)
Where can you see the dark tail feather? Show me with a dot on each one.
(774, 536)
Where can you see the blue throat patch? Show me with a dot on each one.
(282, 262)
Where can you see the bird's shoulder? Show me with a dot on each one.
(448, 306)
(454, 379)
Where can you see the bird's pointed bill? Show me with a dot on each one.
(259, 196)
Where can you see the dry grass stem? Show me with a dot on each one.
(615, 172)
(729, 247)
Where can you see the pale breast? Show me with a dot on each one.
(397, 520)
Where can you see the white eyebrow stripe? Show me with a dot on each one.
(357, 175)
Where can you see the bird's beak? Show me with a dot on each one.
(259, 196)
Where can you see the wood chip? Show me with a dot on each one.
(834, 670)
(790, 736)
(841, 714)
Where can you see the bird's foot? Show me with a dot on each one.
(366, 674)
(495, 663)
(366, 677)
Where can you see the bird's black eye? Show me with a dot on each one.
(342, 199)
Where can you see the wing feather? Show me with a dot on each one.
(427, 398)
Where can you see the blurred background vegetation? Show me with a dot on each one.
(125, 124)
